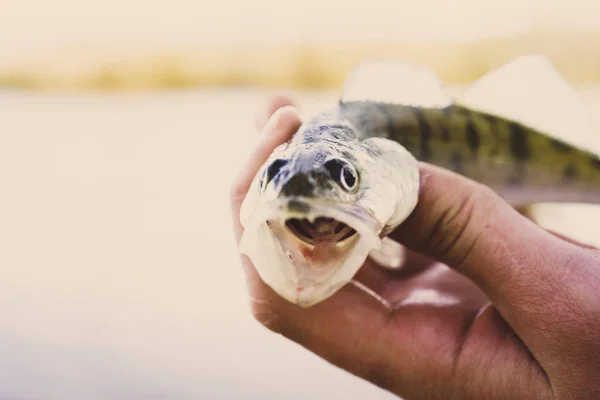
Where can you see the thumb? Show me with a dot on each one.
(519, 265)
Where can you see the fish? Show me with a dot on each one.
(327, 199)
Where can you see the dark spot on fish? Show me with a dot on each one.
(400, 128)
(279, 177)
(519, 145)
(320, 157)
(456, 161)
(298, 206)
(595, 161)
(495, 148)
(274, 169)
(336, 134)
(446, 122)
(310, 137)
(424, 133)
(389, 120)
(570, 172)
(344, 132)
(559, 145)
(322, 180)
(446, 138)
(472, 135)
(298, 185)
(328, 128)
(323, 128)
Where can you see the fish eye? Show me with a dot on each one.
(343, 174)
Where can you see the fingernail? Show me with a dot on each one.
(276, 102)
(280, 119)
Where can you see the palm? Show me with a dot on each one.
(450, 321)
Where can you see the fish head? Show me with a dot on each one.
(314, 212)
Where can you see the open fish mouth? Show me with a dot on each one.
(322, 230)
(306, 250)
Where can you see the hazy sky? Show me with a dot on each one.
(28, 27)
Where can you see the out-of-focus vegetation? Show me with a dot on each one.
(577, 56)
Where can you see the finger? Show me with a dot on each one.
(519, 265)
(349, 329)
(282, 125)
(276, 102)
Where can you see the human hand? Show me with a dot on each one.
(512, 311)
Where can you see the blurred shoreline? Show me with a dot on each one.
(299, 66)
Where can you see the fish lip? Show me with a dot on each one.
(306, 207)
(300, 282)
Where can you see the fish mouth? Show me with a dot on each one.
(306, 250)
(321, 230)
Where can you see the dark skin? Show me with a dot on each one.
(517, 314)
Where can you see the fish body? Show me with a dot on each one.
(522, 164)
(322, 201)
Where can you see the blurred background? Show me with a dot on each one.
(122, 124)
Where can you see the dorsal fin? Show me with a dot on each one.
(395, 82)
(531, 91)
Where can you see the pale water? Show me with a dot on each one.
(119, 276)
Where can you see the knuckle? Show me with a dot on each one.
(579, 283)
(461, 223)
(278, 101)
(565, 305)
(284, 117)
(275, 103)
